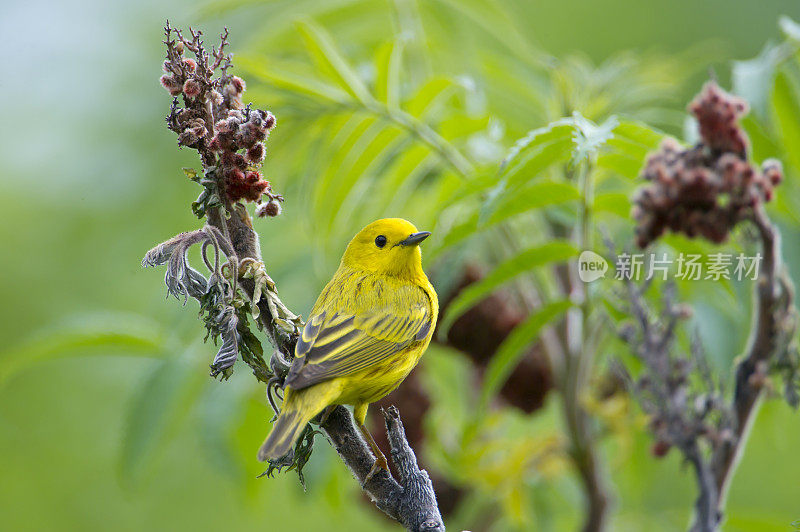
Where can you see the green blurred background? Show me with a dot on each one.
(108, 419)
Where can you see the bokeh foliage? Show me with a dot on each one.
(107, 416)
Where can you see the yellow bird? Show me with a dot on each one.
(366, 332)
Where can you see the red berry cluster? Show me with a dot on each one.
(213, 119)
(718, 115)
(242, 130)
(179, 74)
(705, 190)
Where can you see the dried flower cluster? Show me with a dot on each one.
(707, 189)
(677, 391)
(242, 130)
(213, 120)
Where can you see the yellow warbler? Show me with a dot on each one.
(366, 332)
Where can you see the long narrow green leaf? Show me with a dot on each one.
(221, 410)
(383, 56)
(399, 179)
(627, 151)
(393, 76)
(369, 157)
(613, 202)
(280, 75)
(536, 196)
(621, 164)
(112, 334)
(786, 111)
(527, 159)
(525, 261)
(341, 146)
(638, 133)
(323, 51)
(513, 348)
(533, 197)
(560, 130)
(427, 97)
(151, 411)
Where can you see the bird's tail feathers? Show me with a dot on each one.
(299, 407)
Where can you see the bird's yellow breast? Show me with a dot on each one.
(357, 292)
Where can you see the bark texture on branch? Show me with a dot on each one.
(409, 499)
(775, 323)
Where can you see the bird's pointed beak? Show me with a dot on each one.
(415, 238)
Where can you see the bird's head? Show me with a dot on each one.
(389, 246)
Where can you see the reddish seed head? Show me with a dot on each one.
(256, 154)
(233, 160)
(238, 84)
(223, 126)
(233, 175)
(170, 84)
(189, 63)
(247, 186)
(238, 160)
(269, 209)
(191, 88)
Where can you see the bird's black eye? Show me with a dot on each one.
(380, 241)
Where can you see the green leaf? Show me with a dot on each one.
(341, 146)
(323, 51)
(613, 202)
(558, 131)
(590, 137)
(388, 65)
(280, 75)
(396, 188)
(425, 99)
(370, 154)
(789, 27)
(752, 78)
(221, 411)
(494, 19)
(153, 410)
(627, 151)
(529, 157)
(513, 348)
(621, 164)
(109, 334)
(638, 133)
(762, 142)
(525, 261)
(786, 112)
(535, 196)
(460, 126)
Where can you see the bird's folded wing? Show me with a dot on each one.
(336, 344)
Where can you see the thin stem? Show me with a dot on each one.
(775, 322)
(580, 360)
